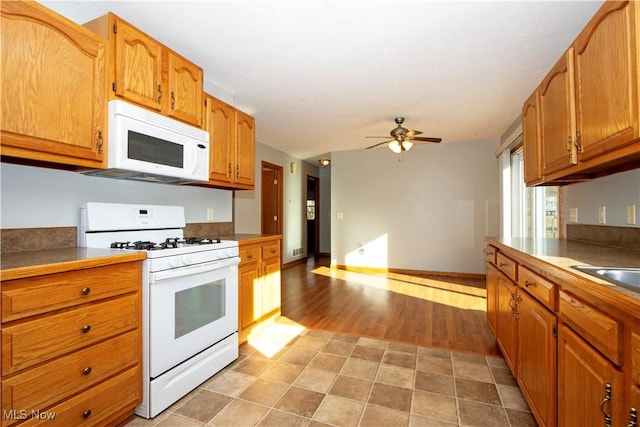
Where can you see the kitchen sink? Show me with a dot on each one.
(628, 277)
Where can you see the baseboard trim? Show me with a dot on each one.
(294, 263)
(377, 270)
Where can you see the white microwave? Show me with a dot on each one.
(147, 146)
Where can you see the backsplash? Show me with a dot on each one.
(619, 237)
(36, 239)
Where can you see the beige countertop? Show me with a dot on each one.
(19, 265)
(557, 256)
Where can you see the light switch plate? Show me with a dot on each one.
(602, 214)
(573, 215)
(631, 214)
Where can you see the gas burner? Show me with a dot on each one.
(121, 245)
(170, 242)
(200, 241)
(146, 246)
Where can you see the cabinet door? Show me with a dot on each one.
(557, 118)
(506, 320)
(606, 81)
(271, 292)
(492, 296)
(584, 378)
(56, 111)
(537, 358)
(220, 123)
(245, 149)
(531, 139)
(138, 66)
(185, 90)
(250, 296)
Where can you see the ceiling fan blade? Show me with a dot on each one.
(412, 133)
(426, 139)
(376, 137)
(380, 143)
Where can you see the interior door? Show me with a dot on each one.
(271, 198)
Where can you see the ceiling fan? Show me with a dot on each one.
(402, 139)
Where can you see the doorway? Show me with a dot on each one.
(271, 218)
(313, 220)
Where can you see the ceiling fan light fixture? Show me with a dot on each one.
(395, 146)
(406, 145)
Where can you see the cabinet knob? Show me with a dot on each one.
(273, 251)
(86, 291)
(250, 256)
(86, 328)
(502, 264)
(527, 283)
(86, 414)
(86, 371)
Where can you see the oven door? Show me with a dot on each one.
(190, 309)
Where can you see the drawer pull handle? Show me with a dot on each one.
(633, 418)
(605, 399)
(527, 283)
(86, 328)
(502, 264)
(87, 370)
(86, 291)
(86, 414)
(273, 251)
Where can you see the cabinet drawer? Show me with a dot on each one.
(539, 287)
(508, 266)
(46, 384)
(490, 254)
(36, 295)
(635, 357)
(271, 250)
(249, 254)
(600, 330)
(29, 343)
(96, 405)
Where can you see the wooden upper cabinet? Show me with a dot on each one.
(557, 122)
(147, 73)
(231, 145)
(245, 149)
(220, 123)
(531, 139)
(606, 81)
(184, 89)
(52, 110)
(138, 65)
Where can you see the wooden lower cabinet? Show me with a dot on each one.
(492, 288)
(259, 280)
(590, 391)
(72, 357)
(537, 358)
(506, 333)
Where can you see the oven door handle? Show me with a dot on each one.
(193, 269)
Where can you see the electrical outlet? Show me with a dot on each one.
(602, 214)
(209, 214)
(631, 214)
(573, 215)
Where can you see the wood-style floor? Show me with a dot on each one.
(431, 311)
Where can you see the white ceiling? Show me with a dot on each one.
(320, 75)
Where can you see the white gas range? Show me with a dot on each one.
(190, 295)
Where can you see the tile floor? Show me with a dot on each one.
(316, 378)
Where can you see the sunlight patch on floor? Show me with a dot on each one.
(429, 289)
(271, 337)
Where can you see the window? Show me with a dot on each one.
(534, 210)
